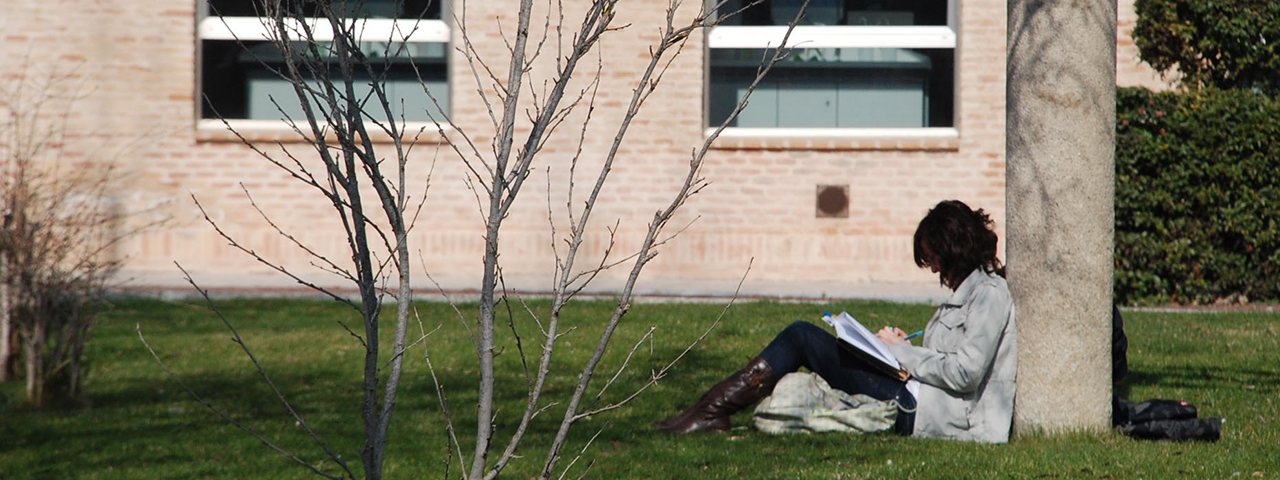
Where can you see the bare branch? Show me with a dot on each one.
(325, 260)
(511, 322)
(462, 319)
(625, 362)
(262, 372)
(654, 377)
(235, 244)
(582, 452)
(469, 52)
(602, 266)
(485, 343)
(233, 421)
(444, 405)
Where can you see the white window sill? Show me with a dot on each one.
(832, 37)
(367, 30)
(237, 130)
(937, 138)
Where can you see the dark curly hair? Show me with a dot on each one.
(956, 240)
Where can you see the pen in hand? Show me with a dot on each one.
(908, 337)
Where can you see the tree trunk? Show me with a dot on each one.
(8, 334)
(8, 356)
(1060, 198)
(33, 343)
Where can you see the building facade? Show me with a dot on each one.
(816, 189)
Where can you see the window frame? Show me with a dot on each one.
(838, 36)
(254, 29)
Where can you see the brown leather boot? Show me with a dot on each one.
(731, 395)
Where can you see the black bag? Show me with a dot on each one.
(1158, 419)
(1155, 419)
(1206, 429)
(1127, 412)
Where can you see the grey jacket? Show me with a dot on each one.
(968, 364)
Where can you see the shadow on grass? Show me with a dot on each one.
(142, 425)
(1202, 377)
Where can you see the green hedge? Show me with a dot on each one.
(1228, 44)
(1197, 196)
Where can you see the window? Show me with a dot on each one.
(857, 64)
(237, 58)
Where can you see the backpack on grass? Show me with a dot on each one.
(803, 402)
(1169, 420)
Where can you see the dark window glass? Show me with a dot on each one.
(839, 12)
(240, 81)
(835, 88)
(411, 9)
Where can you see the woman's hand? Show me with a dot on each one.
(890, 336)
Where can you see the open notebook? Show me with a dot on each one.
(861, 342)
(858, 340)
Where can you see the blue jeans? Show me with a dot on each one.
(803, 344)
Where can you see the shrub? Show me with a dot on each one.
(60, 228)
(1197, 196)
(1212, 43)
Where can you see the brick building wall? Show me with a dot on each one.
(1130, 71)
(136, 62)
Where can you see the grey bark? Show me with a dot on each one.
(484, 340)
(8, 353)
(1060, 198)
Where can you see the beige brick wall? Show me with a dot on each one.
(1130, 71)
(137, 60)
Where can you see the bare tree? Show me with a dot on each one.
(338, 120)
(60, 228)
(338, 124)
(506, 180)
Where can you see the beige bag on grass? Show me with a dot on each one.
(805, 403)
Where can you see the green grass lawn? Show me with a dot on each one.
(137, 423)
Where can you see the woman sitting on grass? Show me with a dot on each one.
(966, 367)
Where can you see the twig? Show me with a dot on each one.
(583, 452)
(511, 322)
(332, 266)
(235, 244)
(225, 416)
(263, 373)
(654, 377)
(625, 362)
(435, 381)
